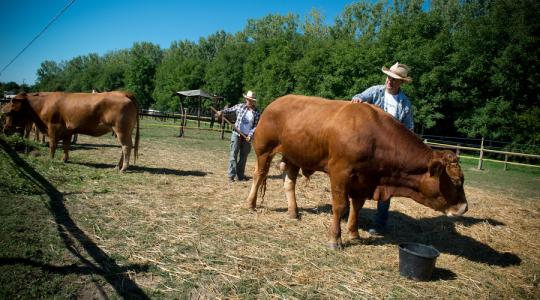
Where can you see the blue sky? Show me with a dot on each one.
(100, 26)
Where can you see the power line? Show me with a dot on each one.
(38, 35)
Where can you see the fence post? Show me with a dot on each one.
(222, 127)
(480, 160)
(506, 162)
(457, 150)
(199, 113)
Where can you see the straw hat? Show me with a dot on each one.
(250, 95)
(398, 71)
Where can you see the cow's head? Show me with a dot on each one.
(15, 114)
(442, 185)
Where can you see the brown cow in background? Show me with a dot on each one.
(63, 114)
(366, 153)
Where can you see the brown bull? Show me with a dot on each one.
(61, 115)
(365, 152)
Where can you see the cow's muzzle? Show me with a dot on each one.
(8, 130)
(457, 210)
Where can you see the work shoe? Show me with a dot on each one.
(231, 179)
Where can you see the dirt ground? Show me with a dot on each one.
(176, 212)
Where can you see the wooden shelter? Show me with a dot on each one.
(201, 95)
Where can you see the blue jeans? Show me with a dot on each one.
(382, 214)
(237, 159)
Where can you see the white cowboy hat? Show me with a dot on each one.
(398, 71)
(250, 95)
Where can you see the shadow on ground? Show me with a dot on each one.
(141, 169)
(75, 240)
(439, 232)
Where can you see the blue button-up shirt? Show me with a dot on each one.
(240, 110)
(375, 95)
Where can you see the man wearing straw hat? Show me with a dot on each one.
(391, 99)
(247, 118)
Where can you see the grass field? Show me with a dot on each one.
(173, 227)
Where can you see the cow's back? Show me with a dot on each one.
(299, 127)
(309, 131)
(82, 112)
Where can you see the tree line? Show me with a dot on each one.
(474, 63)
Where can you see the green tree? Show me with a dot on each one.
(115, 65)
(182, 68)
(144, 60)
(224, 73)
(273, 50)
(49, 76)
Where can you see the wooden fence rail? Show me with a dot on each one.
(483, 150)
(458, 148)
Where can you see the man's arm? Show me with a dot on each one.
(228, 111)
(365, 96)
(408, 120)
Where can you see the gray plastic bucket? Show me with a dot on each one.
(417, 261)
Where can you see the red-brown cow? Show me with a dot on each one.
(63, 114)
(365, 152)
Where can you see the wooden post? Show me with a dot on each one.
(506, 162)
(480, 160)
(211, 120)
(199, 114)
(457, 150)
(182, 112)
(222, 127)
(212, 115)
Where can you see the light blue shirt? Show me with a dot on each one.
(375, 95)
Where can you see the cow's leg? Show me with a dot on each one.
(28, 130)
(125, 140)
(352, 223)
(36, 133)
(339, 178)
(66, 142)
(259, 176)
(53, 141)
(289, 184)
(357, 198)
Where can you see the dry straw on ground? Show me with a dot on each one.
(176, 211)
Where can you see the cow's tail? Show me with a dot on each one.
(264, 173)
(136, 148)
(131, 96)
(262, 189)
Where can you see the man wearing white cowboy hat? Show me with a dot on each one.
(391, 99)
(247, 118)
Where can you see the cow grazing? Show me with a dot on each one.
(63, 114)
(364, 151)
(23, 127)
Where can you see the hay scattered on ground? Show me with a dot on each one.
(176, 211)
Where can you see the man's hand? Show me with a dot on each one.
(357, 100)
(248, 139)
(219, 114)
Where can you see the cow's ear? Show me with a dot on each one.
(450, 157)
(436, 166)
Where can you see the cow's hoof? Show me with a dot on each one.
(250, 207)
(335, 246)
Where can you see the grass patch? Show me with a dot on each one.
(520, 181)
(173, 227)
